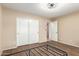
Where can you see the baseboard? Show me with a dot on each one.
(9, 48)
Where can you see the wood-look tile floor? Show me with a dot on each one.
(21, 51)
(44, 50)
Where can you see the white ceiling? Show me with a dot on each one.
(41, 9)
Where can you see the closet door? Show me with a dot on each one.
(33, 31)
(53, 34)
(22, 31)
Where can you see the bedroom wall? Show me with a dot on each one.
(69, 29)
(0, 29)
(9, 27)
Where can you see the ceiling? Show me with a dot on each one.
(41, 9)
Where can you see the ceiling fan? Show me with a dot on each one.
(51, 5)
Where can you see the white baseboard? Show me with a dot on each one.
(9, 48)
(1, 50)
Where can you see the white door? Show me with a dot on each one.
(27, 31)
(22, 32)
(53, 34)
(33, 31)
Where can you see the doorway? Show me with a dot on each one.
(53, 30)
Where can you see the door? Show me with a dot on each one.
(53, 34)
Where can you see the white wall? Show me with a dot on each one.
(0, 29)
(69, 29)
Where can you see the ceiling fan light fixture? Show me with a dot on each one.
(51, 5)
